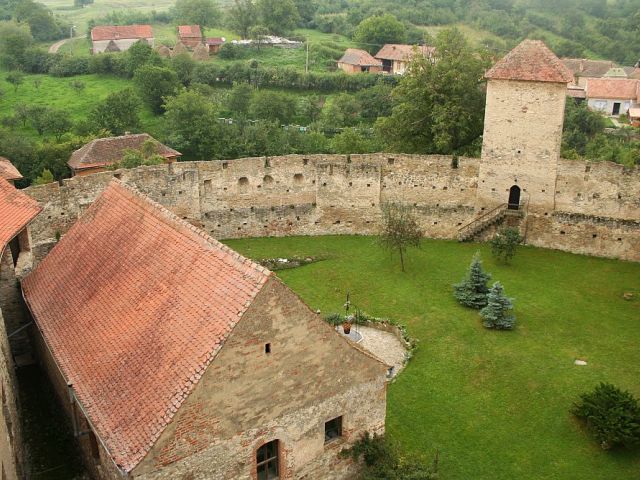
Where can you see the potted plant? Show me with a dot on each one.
(346, 325)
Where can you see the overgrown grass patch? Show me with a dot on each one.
(495, 404)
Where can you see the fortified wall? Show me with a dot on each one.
(595, 208)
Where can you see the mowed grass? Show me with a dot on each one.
(494, 404)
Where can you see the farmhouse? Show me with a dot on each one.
(99, 154)
(395, 58)
(177, 357)
(118, 38)
(8, 171)
(612, 96)
(214, 44)
(356, 61)
(584, 69)
(189, 35)
(17, 210)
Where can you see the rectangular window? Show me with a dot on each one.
(267, 348)
(332, 429)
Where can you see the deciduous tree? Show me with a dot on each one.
(374, 32)
(118, 113)
(504, 244)
(400, 229)
(279, 16)
(155, 84)
(198, 12)
(241, 16)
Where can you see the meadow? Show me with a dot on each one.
(495, 405)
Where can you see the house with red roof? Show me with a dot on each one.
(176, 357)
(395, 58)
(214, 44)
(612, 96)
(8, 171)
(17, 211)
(118, 38)
(100, 154)
(190, 35)
(356, 61)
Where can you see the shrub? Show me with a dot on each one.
(68, 66)
(472, 291)
(503, 245)
(612, 415)
(495, 314)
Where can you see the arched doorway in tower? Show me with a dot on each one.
(514, 197)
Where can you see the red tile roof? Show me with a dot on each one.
(119, 32)
(530, 61)
(107, 151)
(354, 56)
(17, 209)
(215, 41)
(189, 31)
(134, 304)
(613, 88)
(403, 52)
(8, 171)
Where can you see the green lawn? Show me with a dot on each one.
(495, 404)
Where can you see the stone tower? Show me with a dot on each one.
(524, 115)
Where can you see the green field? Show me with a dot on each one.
(494, 404)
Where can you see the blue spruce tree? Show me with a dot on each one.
(472, 291)
(496, 313)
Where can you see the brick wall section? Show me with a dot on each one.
(336, 194)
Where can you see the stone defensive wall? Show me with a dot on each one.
(597, 205)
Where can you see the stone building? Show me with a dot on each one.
(17, 210)
(524, 116)
(395, 58)
(118, 38)
(100, 154)
(176, 357)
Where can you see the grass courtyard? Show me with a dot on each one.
(495, 404)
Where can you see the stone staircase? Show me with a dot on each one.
(484, 221)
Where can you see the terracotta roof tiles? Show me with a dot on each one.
(134, 304)
(530, 61)
(119, 32)
(613, 88)
(17, 209)
(354, 56)
(189, 31)
(107, 151)
(8, 171)
(403, 52)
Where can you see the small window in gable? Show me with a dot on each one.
(332, 429)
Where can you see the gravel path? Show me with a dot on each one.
(383, 345)
(56, 46)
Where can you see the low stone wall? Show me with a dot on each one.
(342, 194)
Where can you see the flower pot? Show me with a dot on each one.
(346, 326)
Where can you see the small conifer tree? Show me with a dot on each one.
(473, 290)
(496, 313)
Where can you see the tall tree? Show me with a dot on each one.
(400, 229)
(155, 84)
(279, 16)
(198, 12)
(374, 32)
(15, 38)
(118, 113)
(241, 16)
(439, 105)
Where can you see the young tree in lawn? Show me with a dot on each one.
(496, 313)
(473, 290)
(155, 84)
(400, 229)
(118, 113)
(504, 244)
(374, 32)
(58, 122)
(16, 79)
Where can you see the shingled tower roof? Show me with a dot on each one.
(531, 61)
(134, 304)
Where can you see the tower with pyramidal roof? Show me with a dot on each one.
(524, 116)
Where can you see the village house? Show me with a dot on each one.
(612, 96)
(584, 69)
(190, 35)
(356, 61)
(99, 154)
(176, 357)
(395, 58)
(8, 171)
(214, 44)
(118, 38)
(17, 210)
